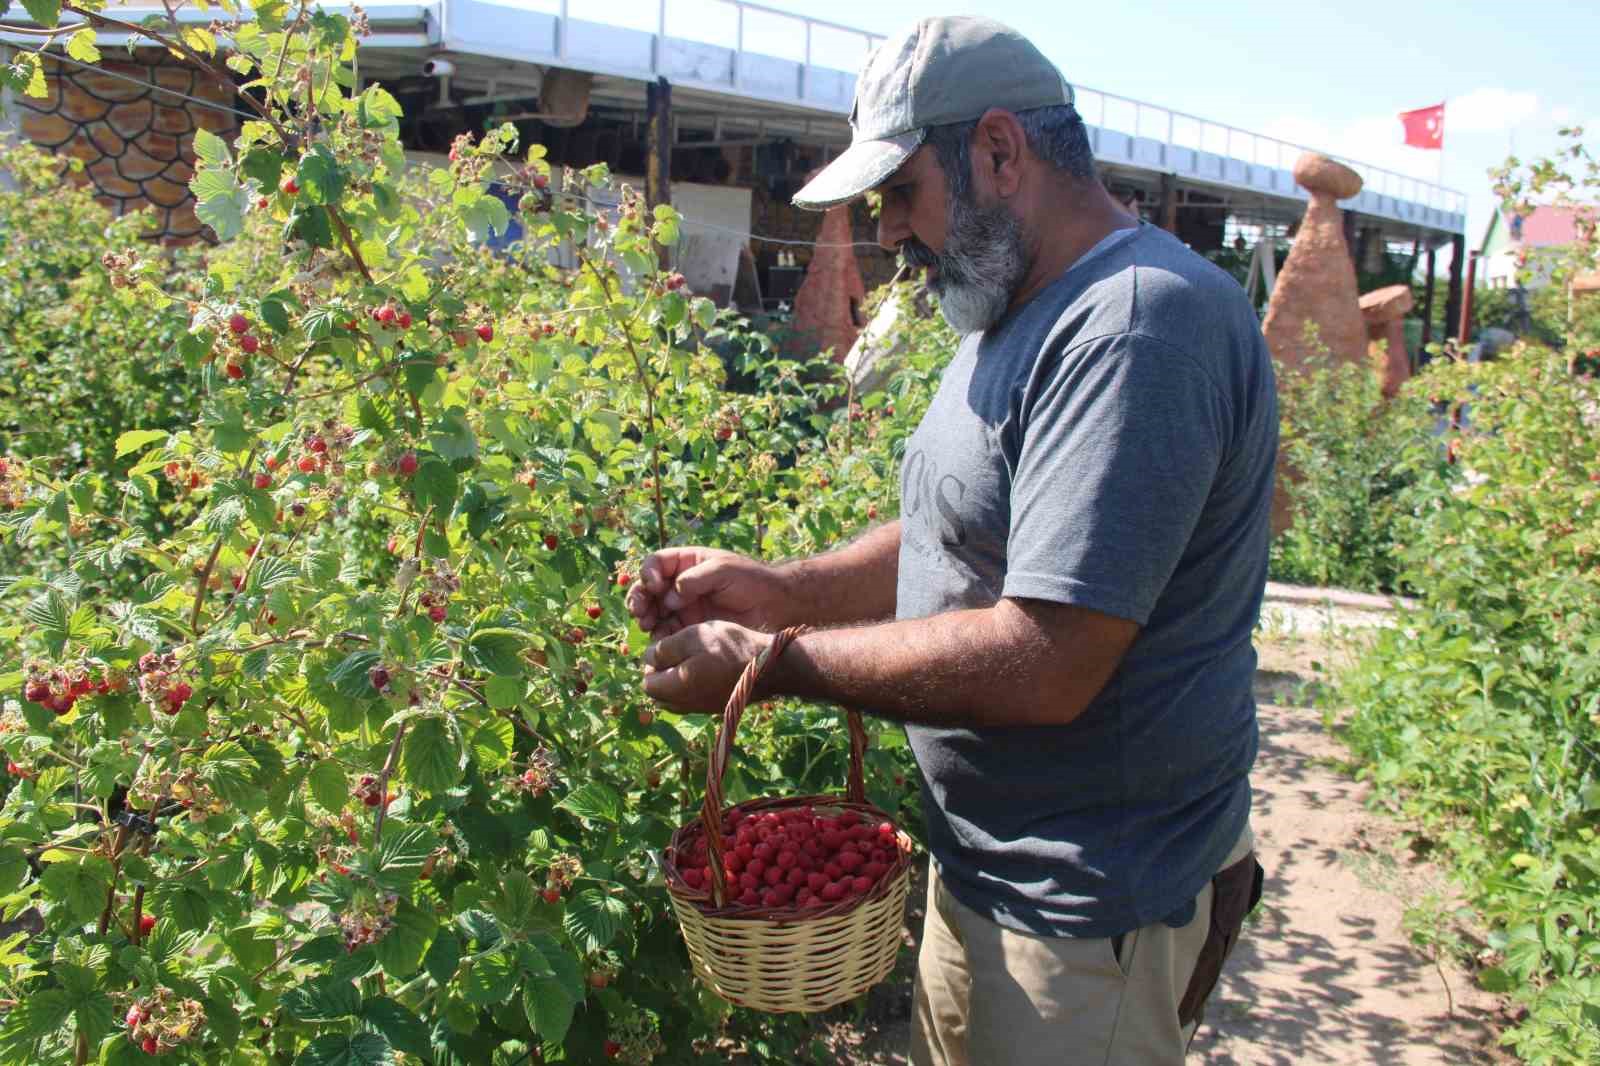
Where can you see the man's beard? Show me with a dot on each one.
(978, 272)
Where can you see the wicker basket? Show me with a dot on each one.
(785, 959)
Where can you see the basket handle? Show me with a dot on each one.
(738, 700)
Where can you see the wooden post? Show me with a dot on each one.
(1464, 331)
(658, 166)
(1169, 203)
(1427, 309)
(1452, 302)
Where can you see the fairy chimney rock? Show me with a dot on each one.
(827, 309)
(1316, 290)
(1384, 311)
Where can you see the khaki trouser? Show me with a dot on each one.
(989, 996)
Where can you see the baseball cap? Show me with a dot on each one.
(942, 70)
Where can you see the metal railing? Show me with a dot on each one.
(1177, 129)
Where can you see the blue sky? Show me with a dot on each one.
(1329, 75)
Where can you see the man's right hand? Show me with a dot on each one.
(680, 587)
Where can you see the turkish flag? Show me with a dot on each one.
(1424, 127)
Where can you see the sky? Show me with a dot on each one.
(1329, 75)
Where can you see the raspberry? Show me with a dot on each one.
(692, 878)
(832, 892)
(379, 676)
(403, 319)
(147, 922)
(860, 885)
(263, 481)
(749, 898)
(233, 370)
(407, 464)
(816, 882)
(37, 691)
(307, 465)
(316, 444)
(755, 867)
(249, 343)
(288, 186)
(550, 541)
(594, 610)
(540, 181)
(273, 462)
(486, 332)
(611, 1048)
(238, 323)
(135, 1017)
(152, 1046)
(773, 875)
(623, 579)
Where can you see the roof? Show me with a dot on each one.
(1545, 227)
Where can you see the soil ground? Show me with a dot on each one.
(1327, 973)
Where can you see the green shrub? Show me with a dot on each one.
(1479, 715)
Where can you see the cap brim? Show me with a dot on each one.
(863, 165)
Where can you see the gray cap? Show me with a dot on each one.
(942, 70)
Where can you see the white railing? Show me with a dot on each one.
(1177, 129)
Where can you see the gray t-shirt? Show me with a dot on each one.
(1110, 444)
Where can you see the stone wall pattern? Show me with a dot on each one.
(136, 141)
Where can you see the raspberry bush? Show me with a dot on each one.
(320, 704)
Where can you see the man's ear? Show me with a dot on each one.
(999, 150)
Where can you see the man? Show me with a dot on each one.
(1062, 614)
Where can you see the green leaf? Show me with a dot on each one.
(491, 744)
(400, 1026)
(376, 108)
(403, 851)
(321, 177)
(188, 908)
(45, 12)
(322, 999)
(80, 46)
(210, 149)
(593, 918)
(432, 759)
(443, 956)
(1495, 979)
(484, 217)
(78, 887)
(36, 1015)
(434, 483)
(401, 950)
(594, 800)
(491, 979)
(550, 999)
(361, 1049)
(350, 678)
(220, 202)
(329, 785)
(496, 651)
(504, 693)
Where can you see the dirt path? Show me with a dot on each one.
(1326, 972)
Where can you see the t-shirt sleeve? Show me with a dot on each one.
(1120, 443)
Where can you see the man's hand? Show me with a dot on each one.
(681, 587)
(696, 668)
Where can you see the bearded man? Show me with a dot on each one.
(1062, 615)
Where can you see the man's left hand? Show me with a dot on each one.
(695, 669)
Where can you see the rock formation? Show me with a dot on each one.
(1385, 311)
(827, 309)
(1317, 286)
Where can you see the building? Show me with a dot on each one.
(751, 99)
(1532, 243)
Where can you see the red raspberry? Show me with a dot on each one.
(611, 1048)
(238, 323)
(307, 464)
(749, 898)
(794, 877)
(486, 332)
(288, 187)
(407, 464)
(14, 770)
(816, 882)
(233, 370)
(147, 922)
(386, 314)
(551, 895)
(437, 613)
(593, 610)
(273, 462)
(316, 444)
(152, 1046)
(623, 579)
(540, 181)
(249, 343)
(37, 692)
(833, 892)
(860, 885)
(550, 541)
(692, 878)
(263, 481)
(135, 1017)
(403, 319)
(782, 894)
(773, 875)
(833, 870)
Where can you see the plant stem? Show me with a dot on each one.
(649, 396)
(383, 782)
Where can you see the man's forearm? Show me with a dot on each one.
(854, 584)
(1008, 665)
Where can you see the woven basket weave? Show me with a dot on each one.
(785, 959)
